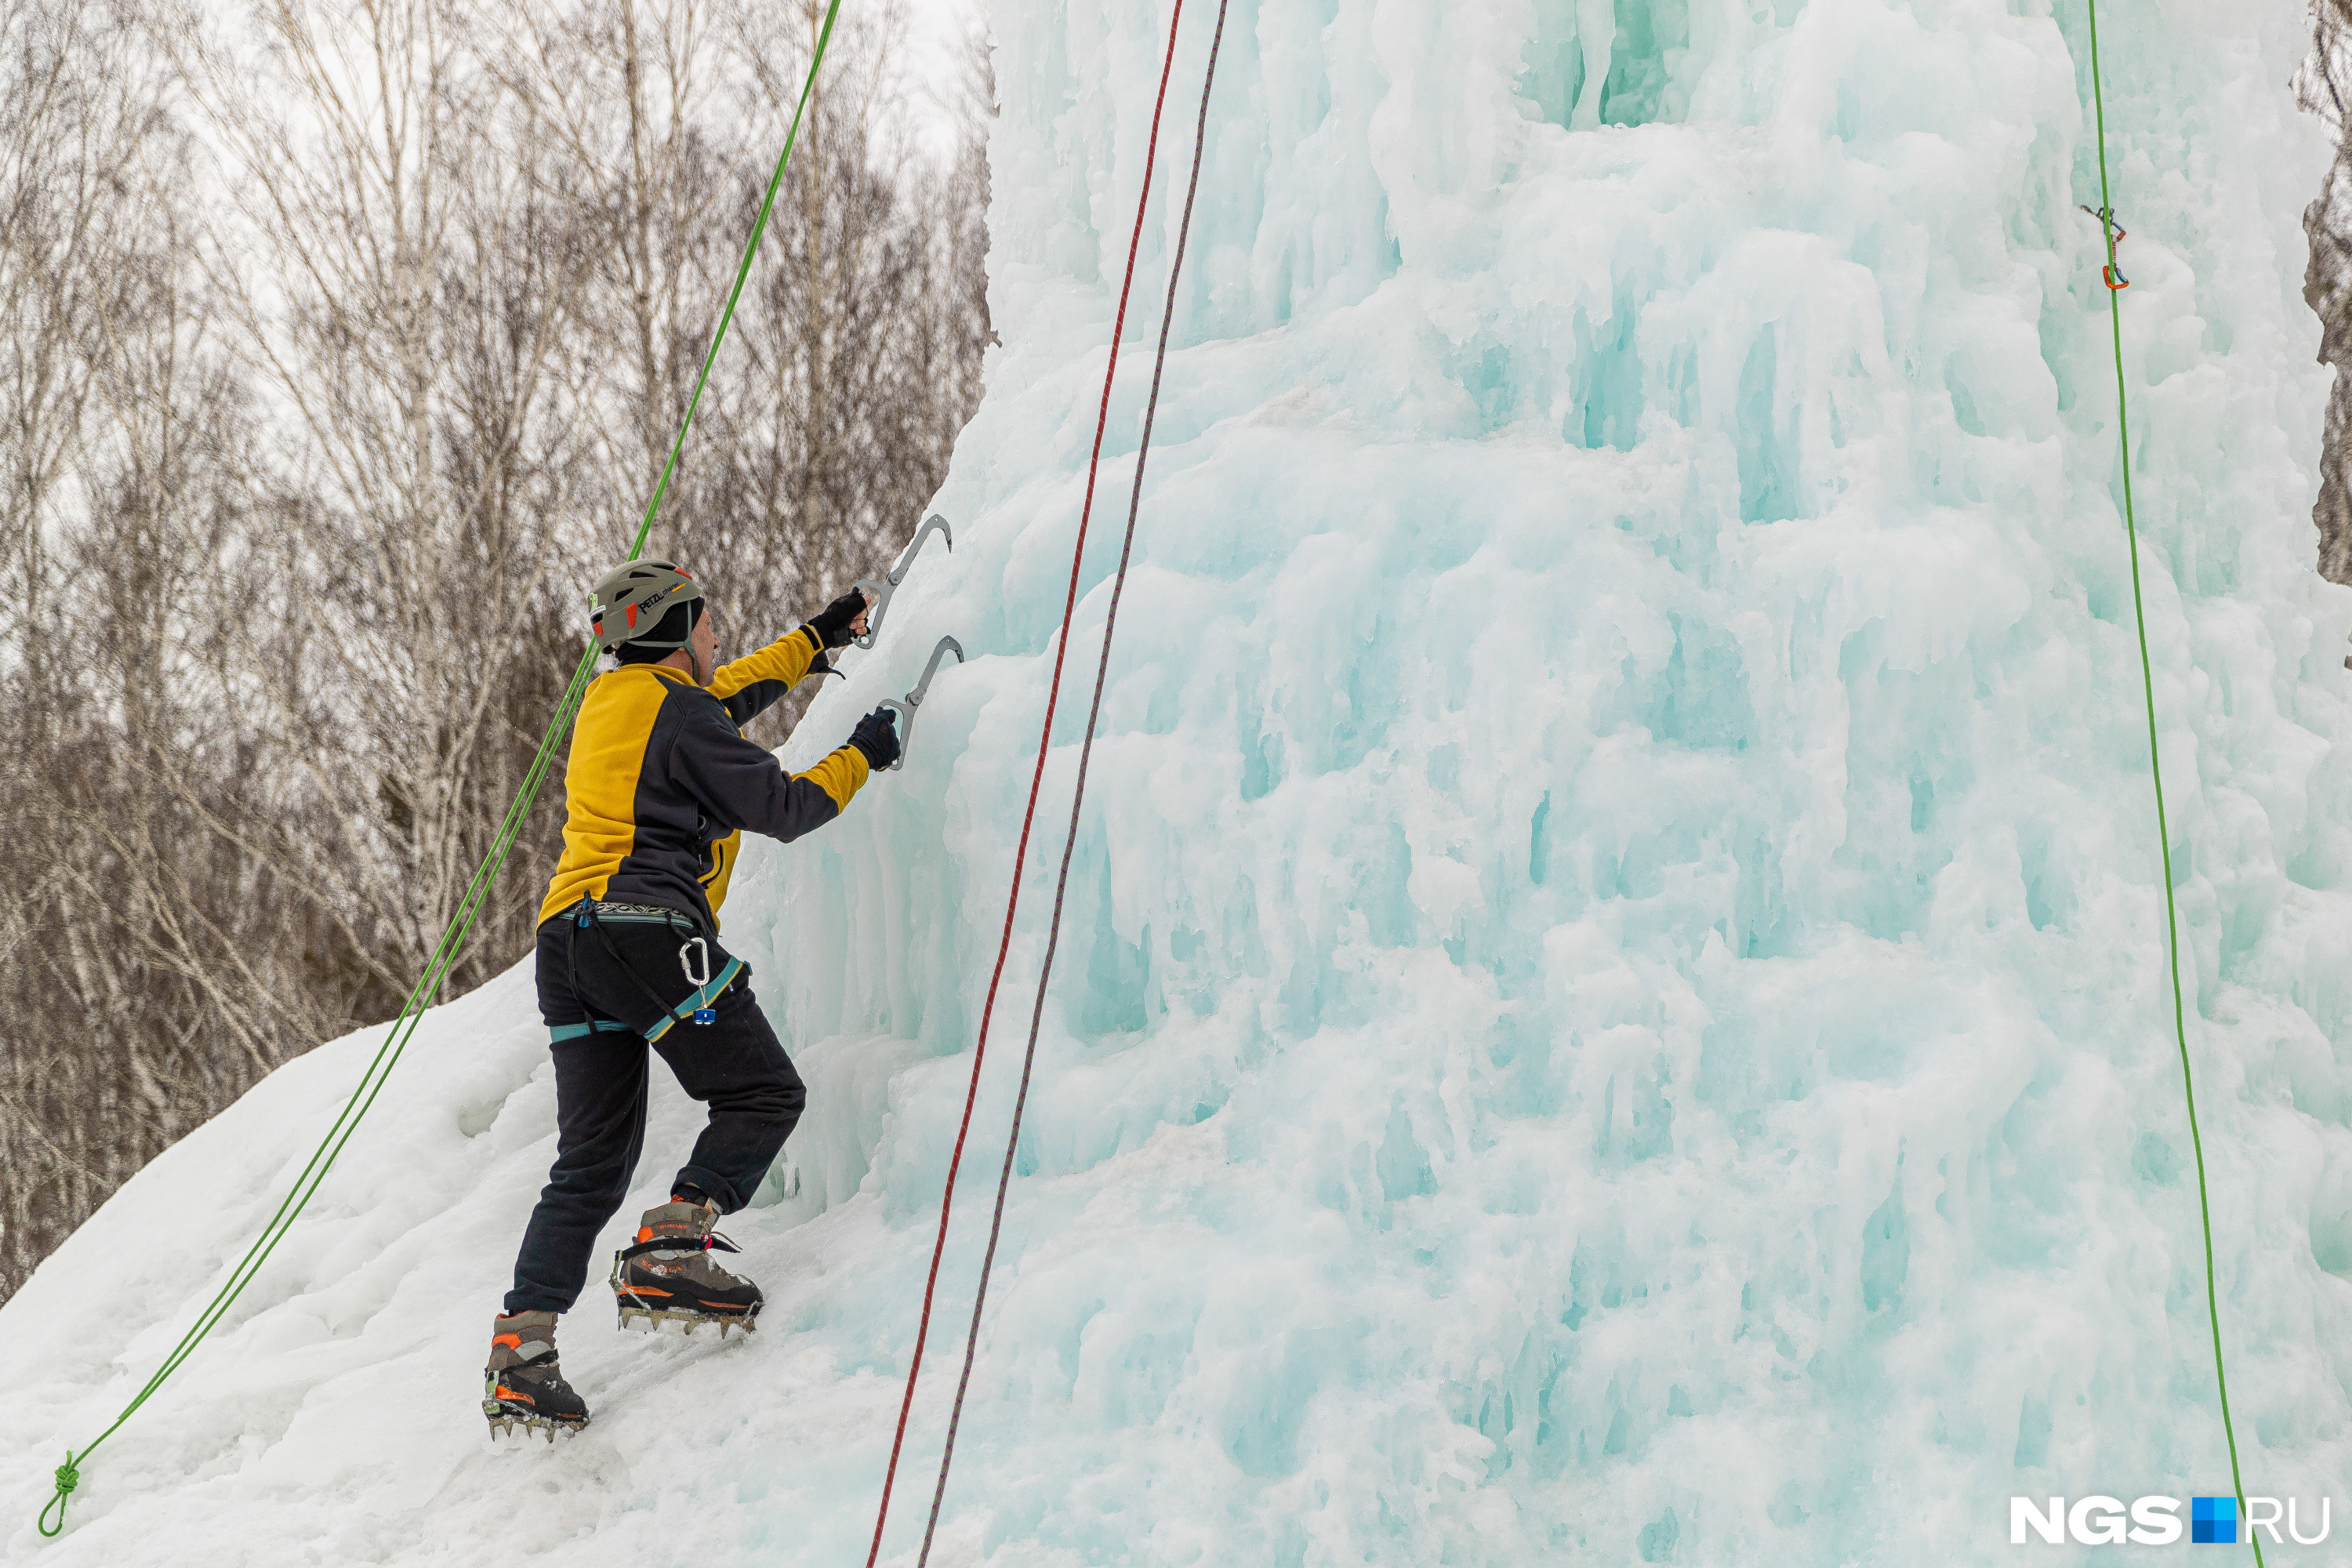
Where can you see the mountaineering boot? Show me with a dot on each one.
(669, 1276)
(522, 1385)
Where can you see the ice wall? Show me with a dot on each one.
(1618, 1004)
(1613, 1007)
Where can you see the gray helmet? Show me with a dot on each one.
(629, 602)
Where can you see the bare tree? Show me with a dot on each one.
(326, 395)
(864, 356)
(146, 966)
(2324, 87)
(403, 267)
(842, 394)
(79, 120)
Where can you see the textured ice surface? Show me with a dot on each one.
(1613, 1008)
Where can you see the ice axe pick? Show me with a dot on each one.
(906, 710)
(878, 594)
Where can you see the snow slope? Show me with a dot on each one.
(1614, 1005)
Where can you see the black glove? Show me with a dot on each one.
(878, 738)
(833, 623)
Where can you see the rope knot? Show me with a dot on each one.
(68, 1477)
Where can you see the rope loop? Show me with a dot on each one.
(68, 1477)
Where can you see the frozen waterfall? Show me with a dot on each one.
(1613, 1006)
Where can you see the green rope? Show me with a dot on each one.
(444, 953)
(2156, 773)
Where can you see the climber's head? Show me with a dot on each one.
(650, 612)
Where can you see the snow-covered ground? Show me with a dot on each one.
(1613, 1007)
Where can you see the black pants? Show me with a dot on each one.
(733, 1065)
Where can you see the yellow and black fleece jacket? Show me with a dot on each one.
(661, 783)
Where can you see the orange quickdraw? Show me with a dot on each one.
(2112, 273)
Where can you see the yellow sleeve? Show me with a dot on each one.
(840, 775)
(784, 662)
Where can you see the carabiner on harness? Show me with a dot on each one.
(692, 948)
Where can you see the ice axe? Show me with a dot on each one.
(906, 710)
(878, 594)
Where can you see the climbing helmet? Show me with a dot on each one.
(628, 603)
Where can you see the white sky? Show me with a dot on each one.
(935, 32)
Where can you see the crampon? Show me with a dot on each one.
(518, 1422)
(523, 1390)
(668, 1278)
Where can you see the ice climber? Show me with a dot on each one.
(659, 789)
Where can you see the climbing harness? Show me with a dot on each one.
(2113, 272)
(699, 1006)
(444, 952)
(2156, 773)
(1036, 781)
(877, 592)
(914, 699)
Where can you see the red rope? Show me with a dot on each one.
(1020, 854)
(1078, 798)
